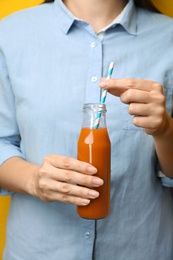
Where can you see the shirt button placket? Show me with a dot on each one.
(94, 78)
(94, 70)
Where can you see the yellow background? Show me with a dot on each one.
(165, 6)
(4, 205)
(7, 7)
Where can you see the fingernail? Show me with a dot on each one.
(93, 194)
(97, 181)
(85, 202)
(103, 84)
(91, 169)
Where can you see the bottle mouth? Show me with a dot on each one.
(95, 107)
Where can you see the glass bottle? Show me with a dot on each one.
(94, 147)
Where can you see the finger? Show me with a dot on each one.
(138, 109)
(50, 172)
(72, 200)
(140, 96)
(112, 86)
(135, 95)
(149, 122)
(118, 86)
(65, 192)
(64, 162)
(65, 198)
(68, 189)
(50, 196)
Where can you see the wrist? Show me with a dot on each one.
(31, 183)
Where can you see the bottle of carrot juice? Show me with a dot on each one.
(94, 147)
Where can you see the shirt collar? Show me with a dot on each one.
(117, 20)
(128, 20)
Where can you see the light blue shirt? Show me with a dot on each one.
(50, 64)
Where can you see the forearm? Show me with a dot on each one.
(18, 175)
(164, 148)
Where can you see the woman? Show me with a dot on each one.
(46, 74)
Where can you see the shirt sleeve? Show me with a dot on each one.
(9, 132)
(166, 181)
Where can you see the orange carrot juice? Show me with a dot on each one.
(94, 147)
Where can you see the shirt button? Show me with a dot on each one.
(93, 44)
(94, 79)
(87, 235)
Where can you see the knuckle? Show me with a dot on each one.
(67, 176)
(157, 86)
(65, 198)
(66, 162)
(159, 98)
(43, 193)
(41, 172)
(128, 96)
(44, 196)
(46, 159)
(72, 200)
(50, 159)
(65, 188)
(42, 185)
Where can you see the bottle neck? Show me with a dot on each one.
(94, 116)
